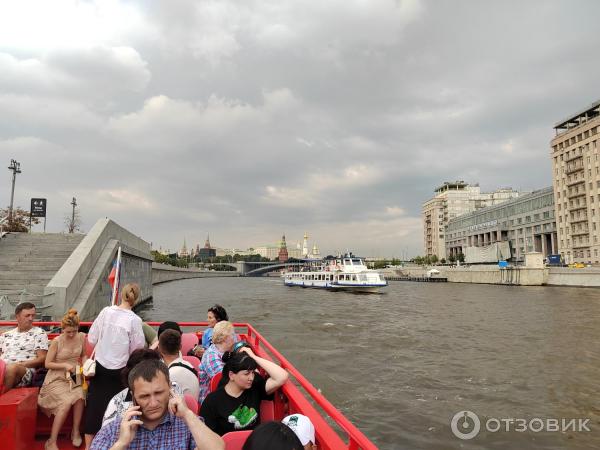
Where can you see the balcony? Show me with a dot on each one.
(585, 244)
(580, 232)
(574, 182)
(579, 219)
(576, 194)
(577, 207)
(574, 168)
(578, 155)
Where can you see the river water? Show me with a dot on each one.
(400, 364)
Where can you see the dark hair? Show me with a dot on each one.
(168, 325)
(273, 436)
(148, 370)
(219, 312)
(136, 357)
(170, 342)
(236, 362)
(25, 305)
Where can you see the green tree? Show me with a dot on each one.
(461, 257)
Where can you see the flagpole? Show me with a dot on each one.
(114, 299)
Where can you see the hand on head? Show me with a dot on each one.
(177, 405)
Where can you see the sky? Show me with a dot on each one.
(251, 119)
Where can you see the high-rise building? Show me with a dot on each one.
(576, 182)
(183, 253)
(451, 200)
(207, 251)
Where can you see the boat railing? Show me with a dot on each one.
(294, 400)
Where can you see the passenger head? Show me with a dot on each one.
(272, 436)
(150, 388)
(25, 314)
(130, 294)
(168, 325)
(238, 369)
(169, 342)
(304, 429)
(70, 323)
(216, 314)
(136, 357)
(224, 335)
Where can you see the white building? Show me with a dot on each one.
(453, 199)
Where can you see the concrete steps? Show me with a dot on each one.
(28, 262)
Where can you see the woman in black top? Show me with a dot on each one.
(235, 405)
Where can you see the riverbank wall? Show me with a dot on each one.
(518, 276)
(162, 273)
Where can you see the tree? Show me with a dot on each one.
(451, 258)
(433, 259)
(20, 220)
(461, 257)
(73, 221)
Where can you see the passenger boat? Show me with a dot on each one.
(19, 414)
(344, 273)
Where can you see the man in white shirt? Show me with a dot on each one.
(23, 348)
(180, 371)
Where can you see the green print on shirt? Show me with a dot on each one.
(242, 417)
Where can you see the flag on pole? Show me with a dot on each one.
(114, 278)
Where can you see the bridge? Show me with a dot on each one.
(255, 268)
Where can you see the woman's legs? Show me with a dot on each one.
(88, 440)
(77, 415)
(59, 420)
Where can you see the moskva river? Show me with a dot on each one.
(523, 360)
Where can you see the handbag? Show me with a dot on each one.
(89, 366)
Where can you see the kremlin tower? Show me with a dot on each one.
(283, 253)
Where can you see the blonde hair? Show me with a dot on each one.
(130, 293)
(221, 330)
(70, 319)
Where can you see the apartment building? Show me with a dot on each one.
(576, 184)
(453, 199)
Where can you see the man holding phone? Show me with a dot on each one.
(158, 418)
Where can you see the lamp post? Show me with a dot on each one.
(15, 166)
(72, 226)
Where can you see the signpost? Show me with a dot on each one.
(38, 209)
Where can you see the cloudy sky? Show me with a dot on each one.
(249, 119)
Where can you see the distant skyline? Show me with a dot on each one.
(253, 119)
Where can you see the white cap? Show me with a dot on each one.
(302, 426)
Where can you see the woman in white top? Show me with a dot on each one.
(116, 332)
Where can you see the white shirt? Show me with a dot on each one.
(116, 332)
(17, 346)
(185, 378)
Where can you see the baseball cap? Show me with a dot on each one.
(302, 426)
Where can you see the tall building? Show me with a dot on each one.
(576, 182)
(283, 252)
(451, 200)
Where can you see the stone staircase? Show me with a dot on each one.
(27, 263)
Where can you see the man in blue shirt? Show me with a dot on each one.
(158, 419)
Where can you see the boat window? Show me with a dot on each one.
(353, 277)
(357, 262)
(347, 262)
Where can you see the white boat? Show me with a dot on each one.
(345, 273)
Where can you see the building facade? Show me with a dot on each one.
(576, 183)
(453, 199)
(527, 223)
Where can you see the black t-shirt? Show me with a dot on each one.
(223, 413)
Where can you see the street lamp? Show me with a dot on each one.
(15, 166)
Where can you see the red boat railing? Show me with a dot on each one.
(291, 399)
